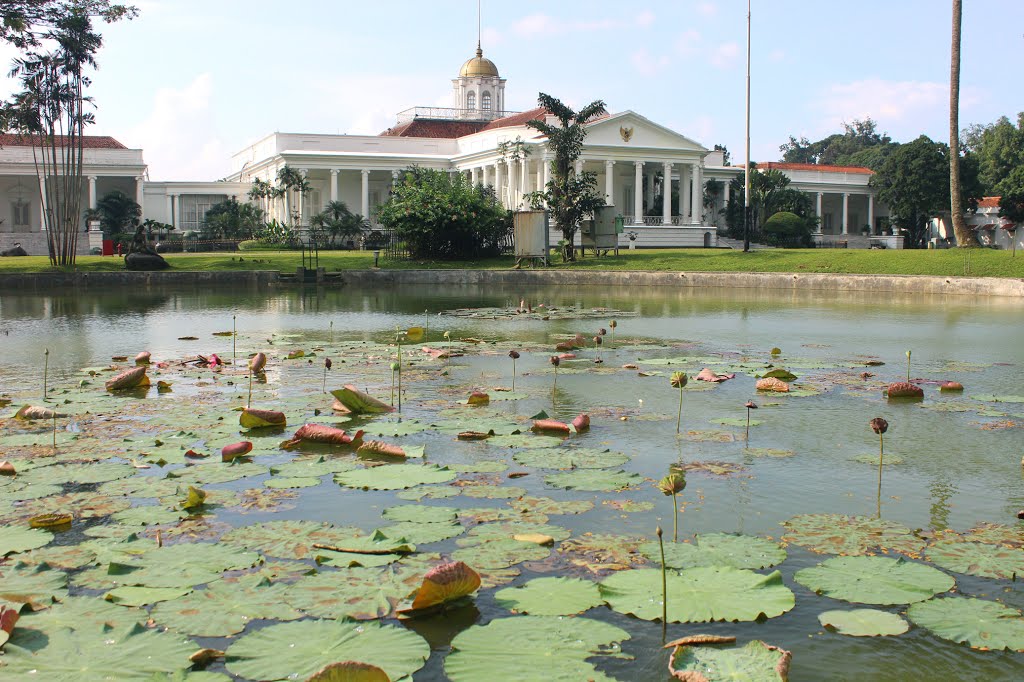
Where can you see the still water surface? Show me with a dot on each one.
(957, 470)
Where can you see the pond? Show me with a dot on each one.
(239, 572)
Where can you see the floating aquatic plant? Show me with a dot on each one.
(679, 380)
(514, 354)
(555, 361)
(327, 367)
(750, 405)
(673, 484)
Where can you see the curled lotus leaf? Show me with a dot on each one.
(394, 476)
(772, 385)
(753, 661)
(594, 480)
(551, 596)
(718, 549)
(699, 595)
(251, 418)
(135, 377)
(300, 649)
(350, 671)
(20, 539)
(444, 583)
(975, 558)
(863, 622)
(550, 426)
(257, 363)
(979, 623)
(358, 402)
(547, 648)
(904, 390)
(850, 535)
(131, 652)
(34, 412)
(874, 580)
(320, 433)
(381, 448)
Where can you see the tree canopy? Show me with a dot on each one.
(839, 149)
(232, 220)
(999, 149)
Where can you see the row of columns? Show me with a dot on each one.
(845, 227)
(93, 199)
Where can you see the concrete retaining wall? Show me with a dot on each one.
(879, 284)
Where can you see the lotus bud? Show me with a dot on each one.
(751, 405)
(672, 484)
(879, 425)
(908, 354)
(613, 324)
(513, 354)
(395, 367)
(258, 362)
(7, 469)
(327, 363)
(602, 331)
(554, 360)
(678, 379)
(597, 340)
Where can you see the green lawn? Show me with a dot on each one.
(949, 262)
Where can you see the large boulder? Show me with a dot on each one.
(145, 261)
(15, 250)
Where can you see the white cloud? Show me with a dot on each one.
(535, 25)
(707, 9)
(648, 64)
(888, 102)
(645, 18)
(777, 55)
(179, 137)
(543, 25)
(724, 56)
(689, 42)
(491, 37)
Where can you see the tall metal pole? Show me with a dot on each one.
(746, 168)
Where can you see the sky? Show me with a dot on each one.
(193, 82)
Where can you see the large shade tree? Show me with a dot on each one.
(570, 196)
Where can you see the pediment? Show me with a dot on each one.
(630, 129)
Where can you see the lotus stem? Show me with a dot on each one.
(331, 325)
(675, 520)
(248, 401)
(46, 369)
(399, 374)
(679, 417)
(881, 449)
(55, 429)
(908, 366)
(513, 374)
(664, 587)
(234, 338)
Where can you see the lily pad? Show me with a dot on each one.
(718, 549)
(420, 513)
(21, 539)
(874, 580)
(754, 661)
(979, 623)
(546, 505)
(698, 595)
(975, 558)
(547, 649)
(132, 595)
(553, 596)
(298, 650)
(224, 609)
(500, 553)
(432, 492)
(80, 613)
(359, 593)
(850, 535)
(594, 480)
(292, 482)
(863, 622)
(493, 492)
(287, 539)
(525, 440)
(394, 476)
(424, 533)
(571, 458)
(23, 583)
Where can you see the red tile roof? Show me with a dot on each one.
(535, 114)
(425, 127)
(88, 141)
(860, 170)
(989, 202)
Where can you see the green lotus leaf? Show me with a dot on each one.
(863, 622)
(871, 458)
(487, 514)
(594, 480)
(996, 534)
(418, 513)
(30, 492)
(493, 492)
(546, 505)
(500, 553)
(360, 593)
(753, 661)
(149, 515)
(21, 538)
(292, 482)
(126, 653)
(850, 535)
(288, 539)
(481, 467)
(81, 505)
(975, 558)
(718, 549)
(63, 557)
(327, 557)
(554, 596)
(501, 531)
(309, 467)
(698, 595)
(224, 609)
(133, 595)
(736, 421)
(141, 486)
(979, 623)
(183, 565)
(424, 533)
(988, 398)
(571, 458)
(874, 580)
(22, 582)
(218, 472)
(431, 492)
(602, 552)
(297, 650)
(93, 472)
(394, 476)
(525, 440)
(80, 613)
(546, 649)
(768, 452)
(405, 427)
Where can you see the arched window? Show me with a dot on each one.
(485, 101)
(471, 100)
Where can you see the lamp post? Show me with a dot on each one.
(376, 257)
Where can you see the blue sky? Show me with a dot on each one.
(192, 82)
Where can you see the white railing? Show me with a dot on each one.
(656, 220)
(451, 114)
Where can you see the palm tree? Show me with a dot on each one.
(336, 220)
(964, 236)
(118, 212)
(570, 196)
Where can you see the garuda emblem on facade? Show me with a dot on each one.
(626, 133)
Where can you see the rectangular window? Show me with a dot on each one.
(20, 213)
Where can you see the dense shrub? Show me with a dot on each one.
(443, 216)
(787, 229)
(256, 245)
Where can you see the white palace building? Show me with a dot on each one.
(629, 153)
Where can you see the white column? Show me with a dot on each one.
(817, 212)
(394, 177)
(334, 184)
(609, 183)
(546, 162)
(871, 212)
(174, 211)
(666, 195)
(685, 174)
(304, 172)
(92, 191)
(474, 176)
(579, 166)
(498, 181)
(726, 192)
(364, 205)
(696, 195)
(650, 189)
(139, 195)
(485, 173)
(638, 192)
(513, 183)
(524, 176)
(846, 212)
(540, 175)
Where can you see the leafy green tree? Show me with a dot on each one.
(914, 183)
(336, 221)
(836, 149)
(999, 148)
(725, 153)
(1011, 199)
(232, 219)
(291, 182)
(570, 196)
(769, 193)
(25, 23)
(118, 213)
(443, 216)
(788, 229)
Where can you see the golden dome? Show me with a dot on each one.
(478, 66)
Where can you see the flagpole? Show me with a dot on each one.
(746, 168)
